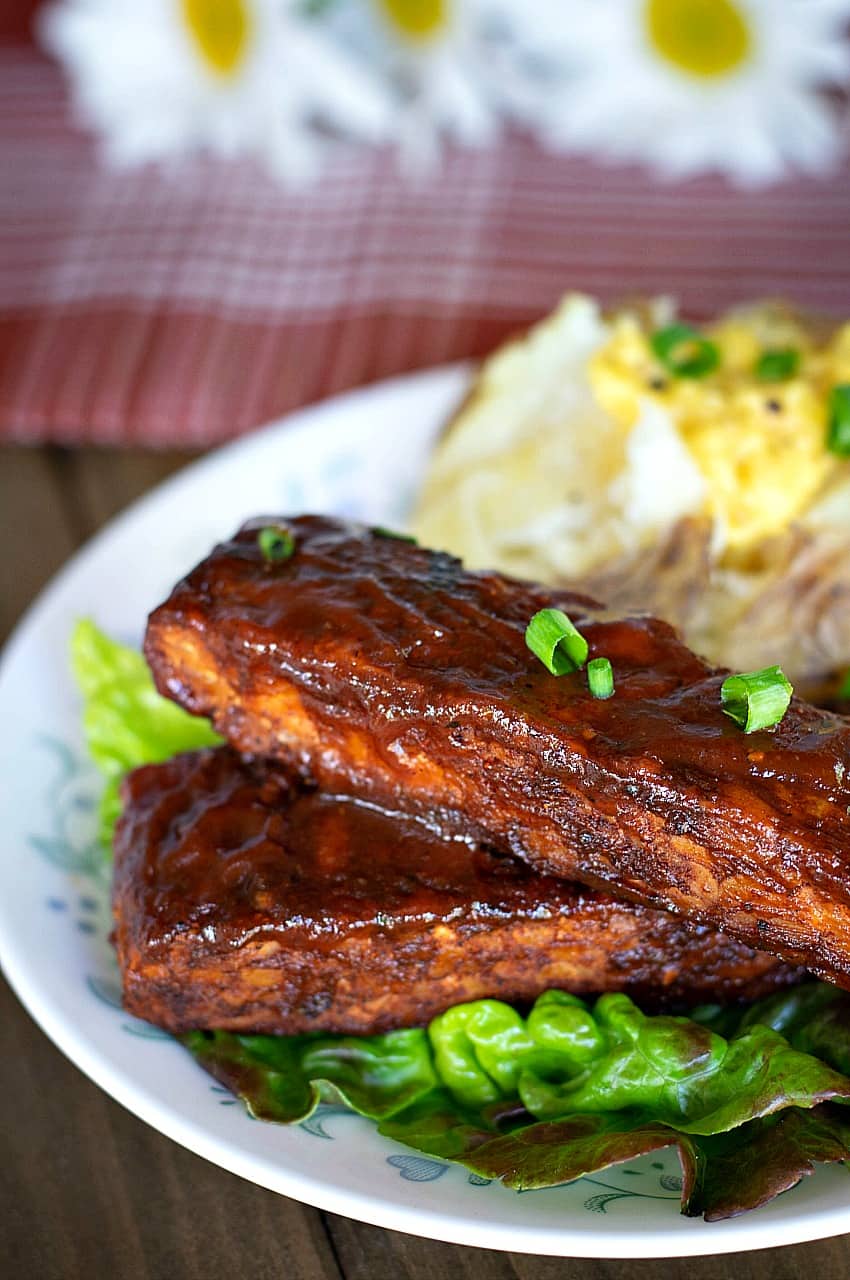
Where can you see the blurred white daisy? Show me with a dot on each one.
(458, 68)
(158, 78)
(688, 86)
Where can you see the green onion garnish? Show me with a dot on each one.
(777, 365)
(684, 351)
(838, 439)
(276, 543)
(380, 532)
(844, 688)
(553, 639)
(600, 677)
(756, 699)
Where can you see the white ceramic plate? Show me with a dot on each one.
(360, 455)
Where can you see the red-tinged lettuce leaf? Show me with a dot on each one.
(552, 1152)
(283, 1078)
(721, 1176)
(750, 1166)
(741, 1109)
(271, 1083)
(438, 1126)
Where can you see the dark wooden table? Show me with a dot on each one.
(87, 1190)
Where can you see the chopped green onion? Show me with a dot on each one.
(838, 439)
(844, 688)
(553, 639)
(276, 543)
(684, 351)
(756, 699)
(380, 532)
(777, 365)
(600, 677)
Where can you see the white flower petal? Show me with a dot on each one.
(140, 81)
(339, 90)
(626, 102)
(457, 101)
(585, 77)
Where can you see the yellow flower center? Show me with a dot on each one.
(416, 19)
(705, 38)
(221, 30)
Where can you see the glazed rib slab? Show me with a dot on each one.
(245, 902)
(386, 671)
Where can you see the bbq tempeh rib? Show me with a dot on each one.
(387, 671)
(244, 902)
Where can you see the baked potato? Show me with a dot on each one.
(700, 475)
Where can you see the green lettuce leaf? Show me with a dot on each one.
(814, 1017)
(682, 1074)
(567, 1091)
(283, 1078)
(566, 1058)
(125, 721)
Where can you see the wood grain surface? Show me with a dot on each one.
(87, 1190)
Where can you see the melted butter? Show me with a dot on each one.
(760, 447)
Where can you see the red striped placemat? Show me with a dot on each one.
(184, 309)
